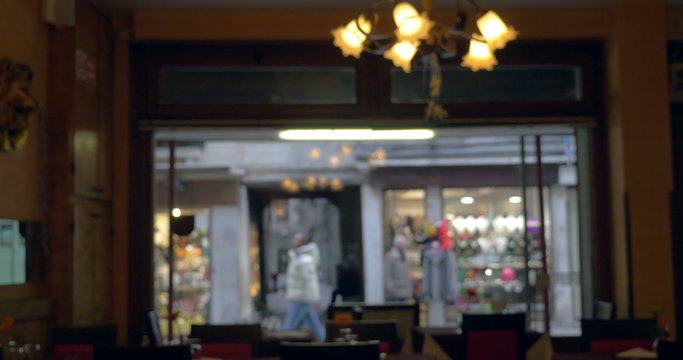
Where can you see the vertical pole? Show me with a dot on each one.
(522, 181)
(171, 254)
(539, 185)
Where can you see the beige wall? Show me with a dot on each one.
(639, 128)
(24, 39)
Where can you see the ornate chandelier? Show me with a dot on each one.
(416, 34)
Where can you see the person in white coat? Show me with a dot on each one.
(303, 288)
(397, 283)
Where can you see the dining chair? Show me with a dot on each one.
(670, 350)
(617, 335)
(362, 350)
(228, 341)
(78, 342)
(493, 336)
(603, 310)
(176, 352)
(384, 331)
(153, 329)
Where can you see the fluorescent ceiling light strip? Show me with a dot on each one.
(356, 134)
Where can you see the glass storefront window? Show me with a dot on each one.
(191, 280)
(487, 228)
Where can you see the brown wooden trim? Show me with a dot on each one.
(59, 118)
(152, 56)
(26, 310)
(151, 124)
(373, 85)
(140, 235)
(585, 54)
(121, 180)
(23, 291)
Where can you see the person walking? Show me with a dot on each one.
(397, 283)
(303, 289)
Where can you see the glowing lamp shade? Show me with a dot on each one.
(479, 57)
(401, 54)
(494, 30)
(350, 38)
(411, 25)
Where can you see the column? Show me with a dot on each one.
(373, 248)
(230, 275)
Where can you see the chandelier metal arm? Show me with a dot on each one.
(475, 5)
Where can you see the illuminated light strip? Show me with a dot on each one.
(356, 134)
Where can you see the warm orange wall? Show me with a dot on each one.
(24, 39)
(316, 24)
(639, 127)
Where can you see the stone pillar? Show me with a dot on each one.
(230, 277)
(373, 248)
(563, 299)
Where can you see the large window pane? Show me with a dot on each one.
(506, 83)
(291, 85)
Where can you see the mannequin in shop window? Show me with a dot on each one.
(398, 285)
(440, 274)
(303, 287)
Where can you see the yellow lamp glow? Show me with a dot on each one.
(401, 54)
(176, 212)
(350, 39)
(494, 30)
(479, 57)
(410, 25)
(334, 161)
(336, 185)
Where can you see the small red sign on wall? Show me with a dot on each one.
(86, 68)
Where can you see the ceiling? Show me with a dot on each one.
(336, 4)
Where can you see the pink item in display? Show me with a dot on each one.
(508, 274)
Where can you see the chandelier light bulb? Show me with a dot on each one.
(334, 161)
(350, 38)
(494, 30)
(411, 25)
(401, 54)
(479, 57)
